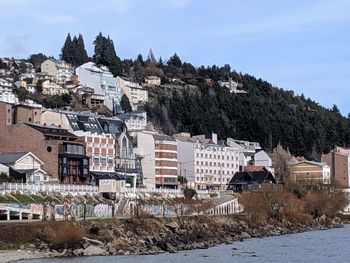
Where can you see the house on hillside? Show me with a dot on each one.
(24, 167)
(251, 181)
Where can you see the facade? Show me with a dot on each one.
(51, 88)
(339, 162)
(102, 81)
(153, 80)
(25, 167)
(311, 172)
(136, 93)
(158, 159)
(165, 161)
(100, 148)
(61, 70)
(63, 156)
(204, 163)
(135, 120)
(6, 92)
(26, 113)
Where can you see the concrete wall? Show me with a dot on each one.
(52, 118)
(146, 149)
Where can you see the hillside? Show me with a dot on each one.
(265, 114)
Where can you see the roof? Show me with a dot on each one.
(255, 168)
(114, 126)
(310, 162)
(12, 157)
(80, 122)
(160, 137)
(51, 131)
(107, 175)
(126, 116)
(252, 177)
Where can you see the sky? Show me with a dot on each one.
(295, 45)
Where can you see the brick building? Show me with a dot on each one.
(339, 162)
(63, 156)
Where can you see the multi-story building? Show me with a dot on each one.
(6, 91)
(339, 162)
(205, 163)
(62, 154)
(308, 171)
(103, 83)
(136, 93)
(158, 159)
(100, 133)
(135, 120)
(51, 88)
(61, 70)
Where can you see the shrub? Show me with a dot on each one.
(298, 218)
(65, 235)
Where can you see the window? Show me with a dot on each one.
(49, 149)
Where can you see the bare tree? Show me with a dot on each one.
(280, 158)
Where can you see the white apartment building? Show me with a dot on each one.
(51, 88)
(136, 93)
(102, 81)
(61, 70)
(6, 92)
(204, 163)
(135, 120)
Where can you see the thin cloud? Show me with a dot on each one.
(58, 19)
(17, 45)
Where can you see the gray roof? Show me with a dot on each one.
(12, 157)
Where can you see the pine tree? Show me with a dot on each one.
(125, 104)
(105, 54)
(80, 51)
(67, 52)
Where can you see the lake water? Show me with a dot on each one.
(317, 246)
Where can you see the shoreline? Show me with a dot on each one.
(154, 236)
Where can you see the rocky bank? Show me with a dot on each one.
(157, 235)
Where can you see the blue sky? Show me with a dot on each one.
(296, 45)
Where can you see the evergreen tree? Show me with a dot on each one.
(175, 61)
(81, 56)
(73, 51)
(37, 59)
(125, 104)
(67, 52)
(105, 54)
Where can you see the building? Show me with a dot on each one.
(6, 91)
(26, 113)
(61, 70)
(153, 80)
(102, 81)
(136, 93)
(63, 156)
(308, 171)
(158, 159)
(232, 86)
(51, 88)
(135, 120)
(93, 100)
(205, 163)
(105, 138)
(25, 167)
(251, 181)
(339, 163)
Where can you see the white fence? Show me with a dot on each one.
(58, 188)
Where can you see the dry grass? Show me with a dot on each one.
(65, 235)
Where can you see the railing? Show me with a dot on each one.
(61, 188)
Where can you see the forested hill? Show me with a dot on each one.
(191, 100)
(265, 114)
